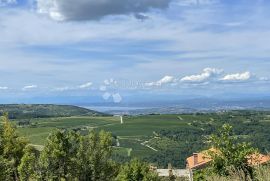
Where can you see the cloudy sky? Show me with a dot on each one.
(124, 50)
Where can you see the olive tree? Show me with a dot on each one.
(229, 153)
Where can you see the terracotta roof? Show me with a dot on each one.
(258, 159)
(200, 160)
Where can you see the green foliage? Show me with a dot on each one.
(94, 157)
(201, 175)
(29, 166)
(84, 155)
(261, 174)
(136, 170)
(229, 153)
(12, 147)
(24, 111)
(58, 158)
(70, 156)
(66, 156)
(5, 169)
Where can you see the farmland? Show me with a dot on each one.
(158, 139)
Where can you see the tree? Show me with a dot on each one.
(136, 170)
(229, 154)
(5, 169)
(58, 158)
(70, 156)
(11, 148)
(29, 167)
(94, 157)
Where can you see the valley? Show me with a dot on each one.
(156, 138)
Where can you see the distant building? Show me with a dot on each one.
(173, 172)
(202, 159)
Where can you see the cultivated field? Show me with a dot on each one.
(160, 139)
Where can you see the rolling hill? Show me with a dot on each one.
(23, 111)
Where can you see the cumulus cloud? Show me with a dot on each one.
(3, 88)
(86, 85)
(237, 77)
(29, 87)
(165, 80)
(206, 75)
(96, 9)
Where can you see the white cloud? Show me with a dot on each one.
(196, 2)
(28, 87)
(69, 88)
(264, 78)
(200, 44)
(208, 73)
(237, 77)
(86, 85)
(165, 80)
(66, 88)
(3, 88)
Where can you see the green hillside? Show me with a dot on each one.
(23, 111)
(159, 139)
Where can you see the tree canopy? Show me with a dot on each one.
(230, 154)
(67, 155)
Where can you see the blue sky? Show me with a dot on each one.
(117, 51)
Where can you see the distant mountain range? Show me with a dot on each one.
(135, 108)
(186, 106)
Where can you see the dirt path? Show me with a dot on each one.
(179, 117)
(145, 144)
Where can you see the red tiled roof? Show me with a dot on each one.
(203, 159)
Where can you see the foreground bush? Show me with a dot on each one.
(230, 159)
(11, 150)
(261, 174)
(230, 154)
(136, 171)
(66, 156)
